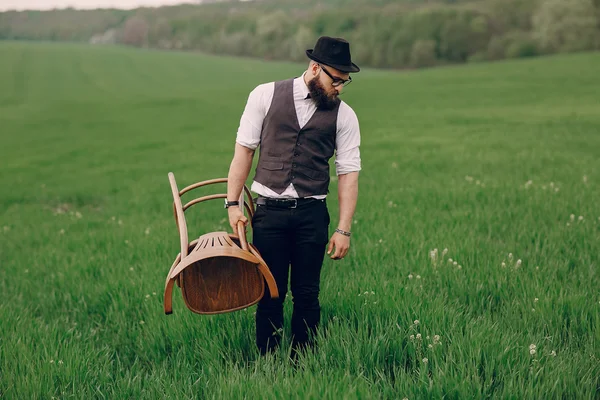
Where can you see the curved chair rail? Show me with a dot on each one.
(212, 182)
(248, 206)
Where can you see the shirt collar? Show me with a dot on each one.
(301, 91)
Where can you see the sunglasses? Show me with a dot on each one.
(335, 80)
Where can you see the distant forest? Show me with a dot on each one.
(382, 33)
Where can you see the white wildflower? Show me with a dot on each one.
(433, 254)
(518, 264)
(425, 360)
(553, 354)
(510, 256)
(416, 322)
(430, 346)
(503, 264)
(536, 300)
(446, 250)
(532, 352)
(410, 276)
(532, 347)
(418, 276)
(580, 218)
(412, 337)
(418, 336)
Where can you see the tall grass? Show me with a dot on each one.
(499, 164)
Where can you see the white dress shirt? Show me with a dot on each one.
(347, 142)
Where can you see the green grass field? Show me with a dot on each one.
(494, 162)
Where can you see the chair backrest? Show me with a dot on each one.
(179, 208)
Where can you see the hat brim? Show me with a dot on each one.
(339, 67)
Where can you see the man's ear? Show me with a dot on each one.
(313, 68)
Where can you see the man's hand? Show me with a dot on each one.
(341, 243)
(236, 215)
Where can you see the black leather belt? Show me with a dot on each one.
(285, 203)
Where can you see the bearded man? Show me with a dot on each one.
(299, 124)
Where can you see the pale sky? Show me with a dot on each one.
(84, 4)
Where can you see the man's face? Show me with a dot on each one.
(321, 90)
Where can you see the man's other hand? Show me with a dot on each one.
(341, 244)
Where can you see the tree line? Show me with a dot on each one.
(383, 33)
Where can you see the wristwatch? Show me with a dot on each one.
(231, 203)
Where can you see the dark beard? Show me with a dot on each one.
(319, 95)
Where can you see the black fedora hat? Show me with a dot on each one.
(334, 52)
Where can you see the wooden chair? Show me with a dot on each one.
(219, 272)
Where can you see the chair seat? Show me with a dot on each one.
(218, 276)
(221, 284)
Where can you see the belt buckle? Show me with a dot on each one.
(295, 203)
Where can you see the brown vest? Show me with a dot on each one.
(289, 154)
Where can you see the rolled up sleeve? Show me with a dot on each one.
(347, 155)
(259, 102)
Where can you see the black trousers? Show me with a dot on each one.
(295, 237)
